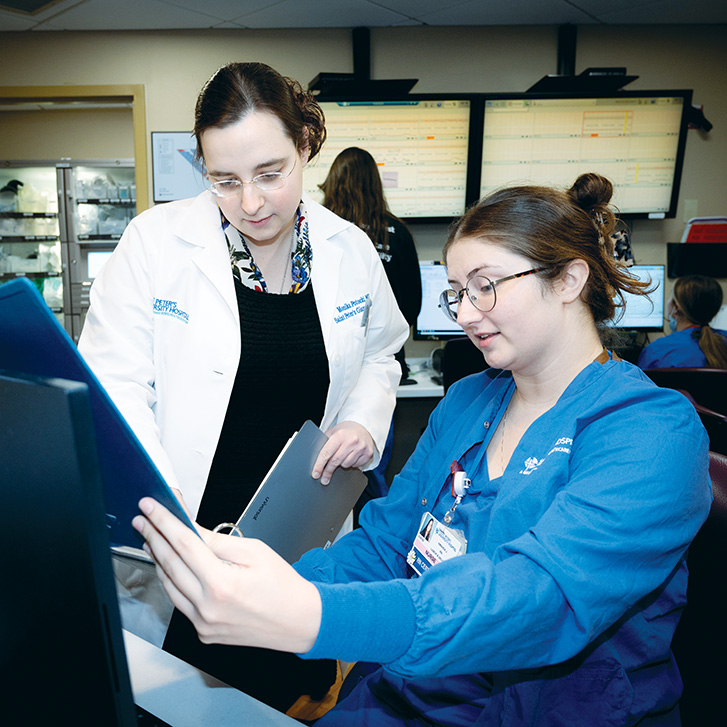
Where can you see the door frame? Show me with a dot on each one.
(133, 93)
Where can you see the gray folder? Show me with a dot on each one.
(291, 511)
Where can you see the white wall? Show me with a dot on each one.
(173, 65)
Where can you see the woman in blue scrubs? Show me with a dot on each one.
(562, 500)
(695, 301)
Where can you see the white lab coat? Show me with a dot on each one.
(163, 333)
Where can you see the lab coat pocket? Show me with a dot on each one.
(345, 361)
(354, 347)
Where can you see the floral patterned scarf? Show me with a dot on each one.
(250, 275)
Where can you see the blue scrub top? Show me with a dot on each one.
(574, 576)
(677, 350)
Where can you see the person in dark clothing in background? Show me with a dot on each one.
(354, 191)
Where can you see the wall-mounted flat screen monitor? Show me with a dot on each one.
(432, 323)
(420, 143)
(643, 313)
(635, 139)
(696, 258)
(176, 173)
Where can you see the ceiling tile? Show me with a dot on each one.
(224, 10)
(415, 9)
(308, 14)
(169, 14)
(668, 12)
(14, 21)
(129, 15)
(514, 12)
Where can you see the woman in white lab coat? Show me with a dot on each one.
(220, 324)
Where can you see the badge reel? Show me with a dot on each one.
(436, 542)
(460, 484)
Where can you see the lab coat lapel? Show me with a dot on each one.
(201, 227)
(326, 281)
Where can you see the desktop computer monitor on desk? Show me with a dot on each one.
(61, 650)
(63, 659)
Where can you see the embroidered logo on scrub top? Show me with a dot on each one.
(532, 463)
(170, 308)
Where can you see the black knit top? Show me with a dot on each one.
(281, 381)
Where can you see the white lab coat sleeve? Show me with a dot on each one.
(117, 340)
(372, 399)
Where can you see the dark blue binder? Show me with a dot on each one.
(33, 343)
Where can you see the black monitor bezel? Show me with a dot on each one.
(696, 258)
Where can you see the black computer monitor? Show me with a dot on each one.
(634, 138)
(62, 656)
(643, 313)
(696, 258)
(432, 323)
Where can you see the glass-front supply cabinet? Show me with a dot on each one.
(59, 222)
(97, 203)
(30, 241)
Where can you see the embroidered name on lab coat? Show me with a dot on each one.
(170, 308)
(353, 308)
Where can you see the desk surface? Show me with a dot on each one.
(186, 697)
(424, 387)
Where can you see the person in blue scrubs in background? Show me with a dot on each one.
(564, 503)
(695, 301)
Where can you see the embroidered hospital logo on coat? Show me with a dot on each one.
(170, 308)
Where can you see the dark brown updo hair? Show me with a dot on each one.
(237, 89)
(699, 298)
(551, 228)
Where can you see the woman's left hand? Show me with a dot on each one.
(349, 445)
(233, 590)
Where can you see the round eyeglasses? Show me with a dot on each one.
(267, 182)
(481, 291)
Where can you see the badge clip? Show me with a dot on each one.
(460, 484)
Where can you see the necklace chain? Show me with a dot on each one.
(289, 262)
(502, 440)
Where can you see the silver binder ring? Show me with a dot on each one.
(225, 527)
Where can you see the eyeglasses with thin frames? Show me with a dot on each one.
(267, 182)
(481, 291)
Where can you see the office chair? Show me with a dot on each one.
(708, 387)
(700, 641)
(716, 426)
(460, 358)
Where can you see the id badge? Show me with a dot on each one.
(434, 543)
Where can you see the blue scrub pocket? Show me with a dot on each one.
(598, 693)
